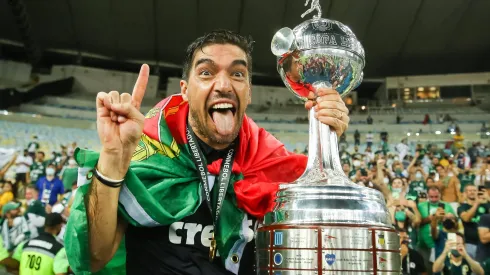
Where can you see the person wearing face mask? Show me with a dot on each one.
(455, 260)
(69, 174)
(50, 187)
(417, 183)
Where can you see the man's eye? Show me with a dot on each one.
(205, 73)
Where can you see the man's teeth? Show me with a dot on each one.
(222, 106)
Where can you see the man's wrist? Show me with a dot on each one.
(111, 166)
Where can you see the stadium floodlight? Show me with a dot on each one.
(408, 134)
(438, 132)
(488, 133)
(417, 134)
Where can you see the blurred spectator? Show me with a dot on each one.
(440, 233)
(50, 186)
(369, 139)
(430, 210)
(357, 138)
(466, 178)
(71, 149)
(7, 194)
(33, 205)
(473, 152)
(14, 227)
(33, 146)
(369, 120)
(483, 131)
(412, 261)
(483, 250)
(23, 164)
(449, 186)
(402, 149)
(426, 119)
(455, 260)
(476, 205)
(398, 119)
(69, 174)
(38, 168)
(458, 139)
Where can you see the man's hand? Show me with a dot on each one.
(381, 163)
(461, 249)
(449, 245)
(330, 109)
(440, 213)
(120, 125)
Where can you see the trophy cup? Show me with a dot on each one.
(323, 223)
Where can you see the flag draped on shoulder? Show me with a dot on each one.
(162, 184)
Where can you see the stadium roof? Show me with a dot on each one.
(400, 37)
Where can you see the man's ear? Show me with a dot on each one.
(183, 90)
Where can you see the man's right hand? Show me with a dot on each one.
(120, 125)
(440, 213)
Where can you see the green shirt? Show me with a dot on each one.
(417, 187)
(41, 255)
(465, 180)
(38, 170)
(426, 209)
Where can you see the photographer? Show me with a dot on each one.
(476, 205)
(454, 259)
(440, 234)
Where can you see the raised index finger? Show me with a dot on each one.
(140, 86)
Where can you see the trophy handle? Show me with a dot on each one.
(283, 42)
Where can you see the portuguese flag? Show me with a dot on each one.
(162, 184)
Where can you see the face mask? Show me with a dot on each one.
(357, 163)
(396, 190)
(455, 253)
(386, 180)
(418, 175)
(448, 224)
(400, 216)
(72, 162)
(49, 171)
(398, 171)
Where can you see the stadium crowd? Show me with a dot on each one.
(439, 200)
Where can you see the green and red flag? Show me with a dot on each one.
(162, 184)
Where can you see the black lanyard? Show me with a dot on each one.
(223, 178)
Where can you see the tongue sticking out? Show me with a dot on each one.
(224, 122)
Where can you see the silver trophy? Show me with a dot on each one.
(323, 223)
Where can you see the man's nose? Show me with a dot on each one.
(223, 83)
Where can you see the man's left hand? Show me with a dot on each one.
(330, 109)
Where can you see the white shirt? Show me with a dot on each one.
(369, 137)
(21, 166)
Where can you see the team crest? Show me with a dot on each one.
(381, 238)
(152, 113)
(330, 259)
(322, 25)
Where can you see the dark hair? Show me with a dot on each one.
(33, 187)
(218, 37)
(287, 63)
(41, 152)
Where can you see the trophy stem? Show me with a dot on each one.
(323, 154)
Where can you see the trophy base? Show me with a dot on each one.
(327, 249)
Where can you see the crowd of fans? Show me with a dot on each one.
(438, 199)
(34, 205)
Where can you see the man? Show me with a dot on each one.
(292, 67)
(175, 233)
(454, 259)
(470, 213)
(412, 261)
(369, 139)
(14, 227)
(50, 187)
(357, 138)
(33, 146)
(483, 250)
(35, 212)
(466, 178)
(439, 234)
(402, 149)
(23, 163)
(430, 210)
(38, 168)
(44, 254)
(449, 186)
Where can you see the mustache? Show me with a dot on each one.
(218, 96)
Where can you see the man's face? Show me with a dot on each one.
(346, 167)
(25, 153)
(13, 213)
(435, 161)
(293, 73)
(471, 192)
(218, 92)
(40, 157)
(434, 196)
(440, 171)
(30, 194)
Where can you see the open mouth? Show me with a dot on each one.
(223, 116)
